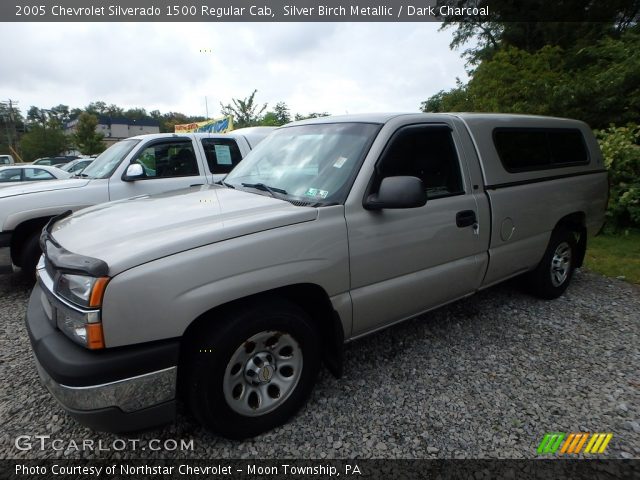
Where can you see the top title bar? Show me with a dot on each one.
(274, 11)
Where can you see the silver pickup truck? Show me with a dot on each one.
(139, 165)
(231, 296)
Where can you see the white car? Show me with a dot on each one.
(76, 166)
(16, 174)
(6, 160)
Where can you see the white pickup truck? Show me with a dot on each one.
(140, 165)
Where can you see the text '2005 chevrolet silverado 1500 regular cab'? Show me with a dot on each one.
(139, 165)
(231, 295)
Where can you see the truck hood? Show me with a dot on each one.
(42, 186)
(131, 232)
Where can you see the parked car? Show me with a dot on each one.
(19, 174)
(76, 166)
(329, 230)
(136, 166)
(61, 160)
(6, 160)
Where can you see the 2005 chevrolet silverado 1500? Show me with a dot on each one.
(136, 166)
(231, 295)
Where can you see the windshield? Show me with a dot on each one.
(68, 166)
(313, 164)
(108, 161)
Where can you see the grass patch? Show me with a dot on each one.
(615, 255)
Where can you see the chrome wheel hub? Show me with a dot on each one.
(260, 369)
(560, 264)
(262, 373)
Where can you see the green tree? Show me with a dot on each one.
(43, 141)
(85, 138)
(96, 108)
(621, 150)
(114, 111)
(37, 116)
(136, 114)
(11, 124)
(168, 121)
(455, 100)
(60, 114)
(300, 116)
(566, 24)
(278, 116)
(599, 84)
(245, 111)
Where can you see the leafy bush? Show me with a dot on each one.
(621, 150)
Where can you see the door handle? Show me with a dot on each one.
(466, 218)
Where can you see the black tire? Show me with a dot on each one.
(30, 256)
(222, 346)
(554, 272)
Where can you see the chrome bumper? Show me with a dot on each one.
(129, 394)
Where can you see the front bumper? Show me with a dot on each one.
(115, 390)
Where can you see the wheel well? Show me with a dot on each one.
(576, 222)
(309, 297)
(21, 233)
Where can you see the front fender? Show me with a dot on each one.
(160, 299)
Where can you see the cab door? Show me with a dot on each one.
(406, 261)
(168, 164)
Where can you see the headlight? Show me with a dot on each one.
(82, 290)
(81, 326)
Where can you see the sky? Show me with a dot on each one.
(312, 67)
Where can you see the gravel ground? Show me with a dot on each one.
(486, 377)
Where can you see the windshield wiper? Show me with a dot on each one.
(265, 188)
(222, 182)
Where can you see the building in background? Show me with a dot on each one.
(115, 129)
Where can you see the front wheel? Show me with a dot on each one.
(554, 272)
(252, 370)
(30, 256)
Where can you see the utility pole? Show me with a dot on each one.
(10, 122)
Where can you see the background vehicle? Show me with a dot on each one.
(61, 160)
(136, 166)
(18, 174)
(331, 229)
(6, 160)
(76, 166)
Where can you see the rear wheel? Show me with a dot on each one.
(254, 370)
(554, 272)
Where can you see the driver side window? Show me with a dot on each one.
(168, 159)
(425, 152)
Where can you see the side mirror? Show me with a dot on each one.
(398, 192)
(134, 172)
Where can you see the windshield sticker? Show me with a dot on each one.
(315, 193)
(340, 162)
(223, 154)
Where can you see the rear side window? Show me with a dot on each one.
(37, 174)
(222, 154)
(522, 150)
(10, 175)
